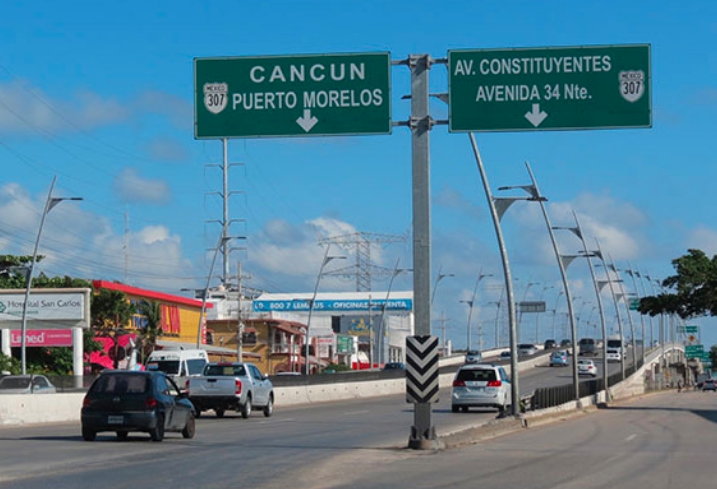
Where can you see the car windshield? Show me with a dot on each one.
(476, 375)
(170, 367)
(15, 383)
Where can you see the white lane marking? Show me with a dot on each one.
(631, 437)
(352, 413)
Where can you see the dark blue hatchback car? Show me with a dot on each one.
(125, 400)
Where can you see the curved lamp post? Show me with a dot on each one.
(439, 277)
(470, 303)
(49, 205)
(326, 260)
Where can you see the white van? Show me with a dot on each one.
(178, 364)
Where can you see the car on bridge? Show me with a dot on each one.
(473, 356)
(480, 385)
(709, 385)
(526, 350)
(559, 359)
(587, 367)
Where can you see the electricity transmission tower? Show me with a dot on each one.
(361, 243)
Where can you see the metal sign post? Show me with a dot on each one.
(423, 433)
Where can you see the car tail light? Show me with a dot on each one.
(186, 386)
(150, 403)
(237, 389)
(86, 402)
(494, 383)
(459, 383)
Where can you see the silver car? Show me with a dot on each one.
(26, 384)
(526, 350)
(480, 385)
(473, 356)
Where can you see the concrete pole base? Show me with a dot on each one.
(425, 444)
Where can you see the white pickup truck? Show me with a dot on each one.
(231, 386)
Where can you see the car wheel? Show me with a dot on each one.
(464, 409)
(269, 408)
(88, 434)
(246, 408)
(219, 412)
(157, 434)
(122, 435)
(190, 428)
(455, 408)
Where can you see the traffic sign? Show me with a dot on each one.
(694, 351)
(633, 303)
(690, 329)
(298, 95)
(552, 88)
(422, 369)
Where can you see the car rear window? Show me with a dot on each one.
(468, 375)
(224, 370)
(121, 384)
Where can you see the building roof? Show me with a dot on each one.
(149, 294)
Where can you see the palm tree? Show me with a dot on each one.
(152, 329)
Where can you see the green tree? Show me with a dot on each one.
(9, 364)
(693, 288)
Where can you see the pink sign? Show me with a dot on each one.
(42, 337)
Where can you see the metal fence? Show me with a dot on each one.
(546, 397)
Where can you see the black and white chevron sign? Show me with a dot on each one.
(421, 369)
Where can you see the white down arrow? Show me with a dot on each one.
(536, 116)
(307, 121)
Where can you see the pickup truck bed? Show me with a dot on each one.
(231, 386)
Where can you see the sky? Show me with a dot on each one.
(100, 96)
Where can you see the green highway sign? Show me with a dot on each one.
(694, 351)
(297, 95)
(633, 304)
(538, 89)
(690, 329)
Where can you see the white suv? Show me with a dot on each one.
(480, 385)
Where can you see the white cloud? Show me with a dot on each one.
(131, 188)
(288, 257)
(26, 109)
(178, 110)
(452, 199)
(702, 238)
(167, 149)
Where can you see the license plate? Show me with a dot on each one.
(115, 419)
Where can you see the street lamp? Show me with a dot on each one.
(396, 271)
(49, 205)
(470, 303)
(325, 261)
(537, 315)
(439, 277)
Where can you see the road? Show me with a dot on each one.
(660, 441)
(258, 452)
